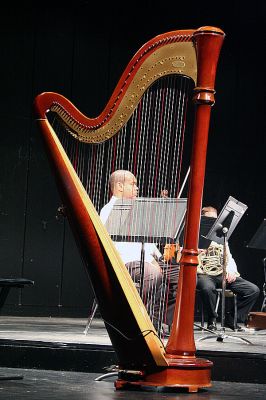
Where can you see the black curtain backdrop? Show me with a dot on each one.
(81, 51)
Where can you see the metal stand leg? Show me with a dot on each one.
(235, 306)
(202, 316)
(235, 311)
(93, 311)
(217, 301)
(263, 307)
(201, 309)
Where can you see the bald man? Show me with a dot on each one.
(123, 185)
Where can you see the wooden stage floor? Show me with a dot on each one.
(60, 344)
(69, 385)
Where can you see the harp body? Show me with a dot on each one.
(193, 55)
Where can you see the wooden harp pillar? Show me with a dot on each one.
(208, 44)
(149, 81)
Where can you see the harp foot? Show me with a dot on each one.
(190, 375)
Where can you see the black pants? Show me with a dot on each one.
(247, 294)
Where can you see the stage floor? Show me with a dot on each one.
(60, 344)
(55, 385)
(71, 330)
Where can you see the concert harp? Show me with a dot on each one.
(144, 129)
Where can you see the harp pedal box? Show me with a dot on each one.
(256, 320)
(130, 375)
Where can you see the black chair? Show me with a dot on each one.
(228, 294)
(200, 307)
(7, 283)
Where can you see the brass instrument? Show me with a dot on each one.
(211, 260)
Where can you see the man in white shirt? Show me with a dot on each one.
(208, 281)
(123, 185)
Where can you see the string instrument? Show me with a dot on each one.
(155, 123)
(172, 251)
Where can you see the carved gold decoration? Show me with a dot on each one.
(173, 58)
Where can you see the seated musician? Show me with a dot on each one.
(209, 278)
(123, 184)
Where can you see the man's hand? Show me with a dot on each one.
(230, 277)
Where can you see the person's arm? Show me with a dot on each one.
(105, 211)
(202, 253)
(155, 252)
(231, 267)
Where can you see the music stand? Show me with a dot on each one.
(258, 242)
(146, 220)
(220, 232)
(153, 219)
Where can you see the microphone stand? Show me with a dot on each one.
(263, 307)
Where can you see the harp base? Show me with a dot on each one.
(191, 374)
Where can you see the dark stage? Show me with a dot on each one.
(55, 385)
(49, 351)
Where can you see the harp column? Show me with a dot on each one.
(208, 42)
(184, 369)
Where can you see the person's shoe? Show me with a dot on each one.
(211, 326)
(247, 328)
(229, 323)
(239, 328)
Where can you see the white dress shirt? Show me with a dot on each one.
(130, 251)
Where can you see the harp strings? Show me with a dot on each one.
(150, 145)
(164, 147)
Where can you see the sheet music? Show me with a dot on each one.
(148, 219)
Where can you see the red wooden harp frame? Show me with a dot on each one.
(142, 357)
